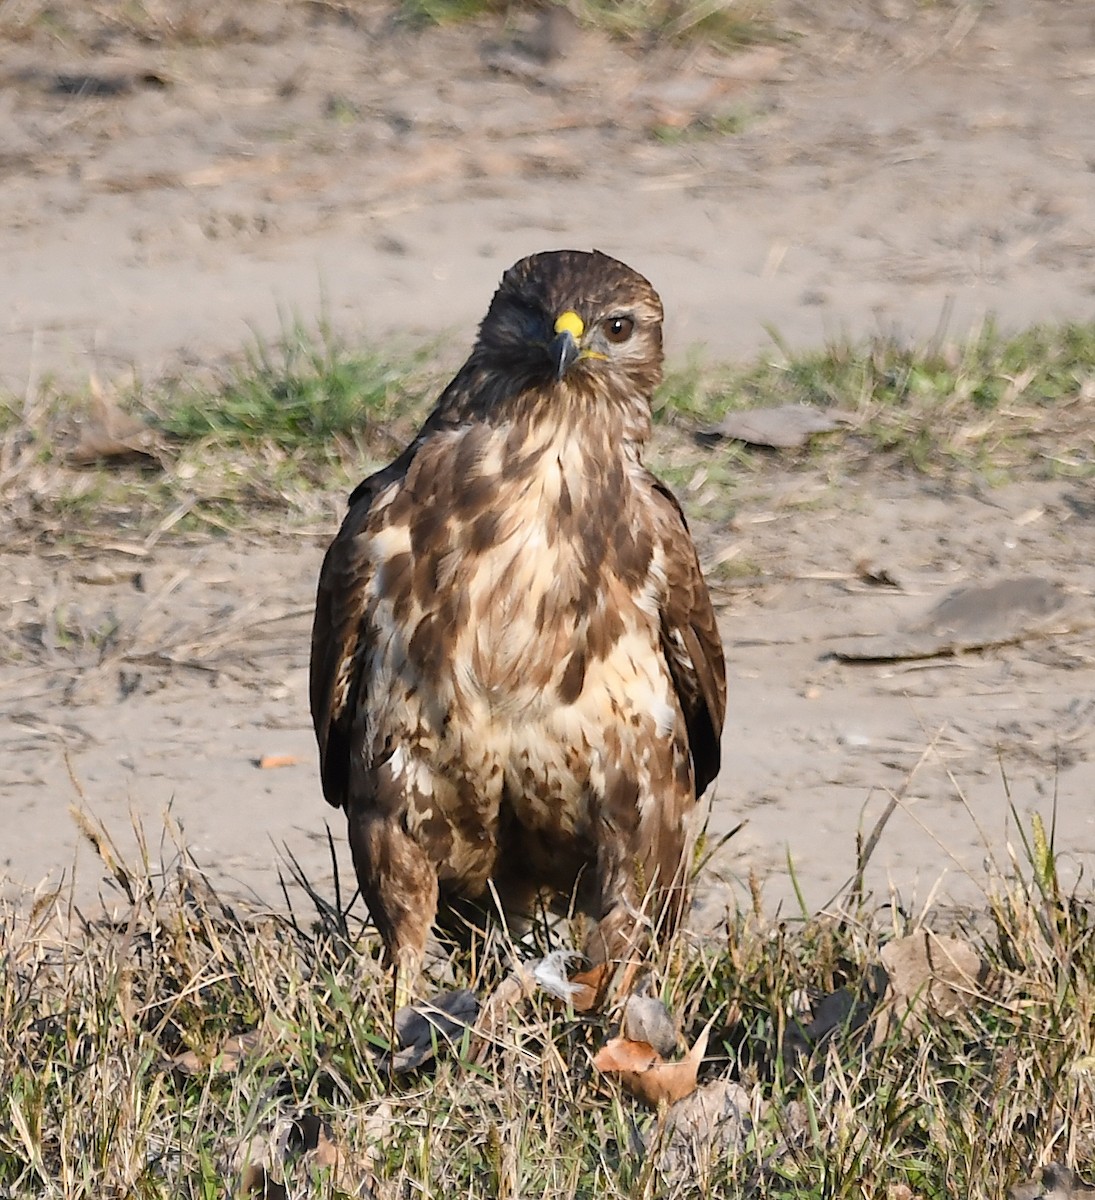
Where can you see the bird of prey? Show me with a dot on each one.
(517, 681)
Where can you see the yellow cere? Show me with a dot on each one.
(570, 322)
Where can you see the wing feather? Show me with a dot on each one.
(339, 641)
(341, 635)
(691, 643)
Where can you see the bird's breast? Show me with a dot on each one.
(508, 567)
(530, 589)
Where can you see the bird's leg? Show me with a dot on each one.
(399, 884)
(640, 869)
(406, 965)
(622, 932)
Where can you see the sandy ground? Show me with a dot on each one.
(899, 168)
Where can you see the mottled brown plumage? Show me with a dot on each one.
(517, 679)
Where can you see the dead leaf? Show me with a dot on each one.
(226, 1059)
(297, 1146)
(877, 576)
(421, 1028)
(109, 435)
(318, 1139)
(928, 975)
(646, 1075)
(785, 427)
(270, 762)
(255, 1180)
(376, 1132)
(703, 1129)
(621, 1056)
(1058, 1182)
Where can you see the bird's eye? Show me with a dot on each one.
(618, 329)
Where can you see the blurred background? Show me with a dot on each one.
(176, 173)
(242, 246)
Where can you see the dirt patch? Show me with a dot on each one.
(142, 683)
(896, 165)
(900, 166)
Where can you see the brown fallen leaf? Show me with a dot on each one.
(1058, 1182)
(296, 1148)
(646, 1075)
(257, 1182)
(871, 572)
(270, 762)
(622, 1055)
(928, 975)
(227, 1058)
(107, 434)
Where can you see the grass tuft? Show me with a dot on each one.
(448, 12)
(301, 420)
(722, 23)
(299, 394)
(291, 423)
(997, 405)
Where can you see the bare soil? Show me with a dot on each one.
(893, 167)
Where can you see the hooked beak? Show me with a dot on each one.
(564, 351)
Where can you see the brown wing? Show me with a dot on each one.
(691, 644)
(340, 634)
(337, 634)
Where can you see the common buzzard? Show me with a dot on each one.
(517, 680)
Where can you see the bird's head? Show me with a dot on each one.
(578, 319)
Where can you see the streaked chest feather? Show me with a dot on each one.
(517, 568)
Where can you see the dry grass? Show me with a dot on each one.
(174, 23)
(995, 404)
(270, 441)
(260, 444)
(723, 23)
(188, 1047)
